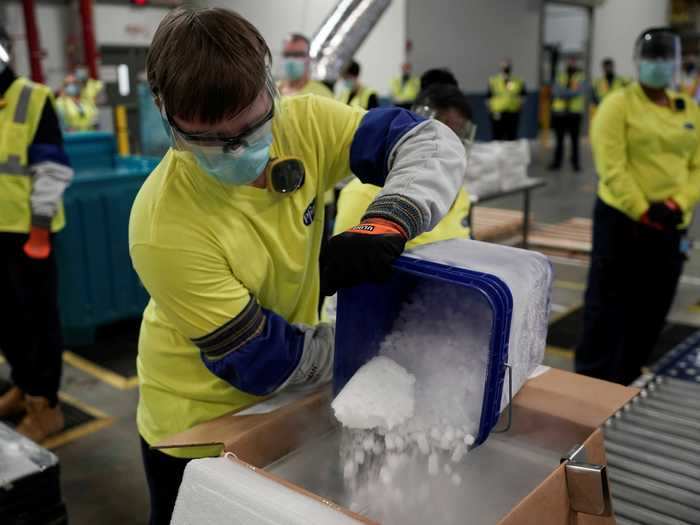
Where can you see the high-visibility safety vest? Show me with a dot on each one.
(403, 92)
(76, 115)
(572, 105)
(506, 94)
(360, 100)
(603, 87)
(19, 120)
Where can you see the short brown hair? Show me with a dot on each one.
(206, 64)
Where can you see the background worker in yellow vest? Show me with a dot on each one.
(646, 146)
(296, 69)
(690, 79)
(405, 88)
(568, 104)
(353, 92)
(78, 113)
(446, 103)
(91, 89)
(225, 234)
(608, 83)
(34, 172)
(506, 95)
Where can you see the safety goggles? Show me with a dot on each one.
(212, 144)
(466, 133)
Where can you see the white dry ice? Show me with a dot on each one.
(379, 395)
(414, 411)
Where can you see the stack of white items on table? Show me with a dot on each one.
(411, 414)
(497, 166)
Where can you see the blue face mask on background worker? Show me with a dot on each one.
(294, 68)
(656, 73)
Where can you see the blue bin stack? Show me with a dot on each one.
(97, 284)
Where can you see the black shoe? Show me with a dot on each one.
(554, 167)
(576, 168)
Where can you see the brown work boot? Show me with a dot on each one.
(12, 403)
(41, 420)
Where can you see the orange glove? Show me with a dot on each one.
(38, 246)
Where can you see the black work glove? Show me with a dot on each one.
(364, 253)
(667, 214)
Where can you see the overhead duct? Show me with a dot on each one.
(341, 35)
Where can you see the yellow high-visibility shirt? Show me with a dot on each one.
(405, 92)
(575, 104)
(202, 247)
(506, 94)
(645, 153)
(19, 121)
(314, 87)
(76, 115)
(90, 91)
(361, 98)
(356, 197)
(603, 87)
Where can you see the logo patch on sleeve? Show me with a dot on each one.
(689, 125)
(310, 213)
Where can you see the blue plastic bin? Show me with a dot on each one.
(366, 314)
(97, 284)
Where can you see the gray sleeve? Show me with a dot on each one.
(316, 364)
(426, 171)
(49, 181)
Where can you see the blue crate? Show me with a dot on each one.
(97, 283)
(90, 150)
(366, 314)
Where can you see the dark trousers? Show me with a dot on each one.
(506, 126)
(566, 124)
(30, 326)
(164, 475)
(632, 280)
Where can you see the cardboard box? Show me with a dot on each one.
(554, 411)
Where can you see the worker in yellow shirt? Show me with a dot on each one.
(225, 233)
(689, 79)
(34, 172)
(405, 88)
(568, 105)
(608, 83)
(91, 89)
(353, 92)
(78, 113)
(506, 95)
(646, 146)
(449, 105)
(296, 65)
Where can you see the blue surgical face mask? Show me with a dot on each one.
(239, 169)
(294, 68)
(656, 73)
(72, 90)
(348, 84)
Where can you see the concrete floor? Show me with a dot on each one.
(102, 478)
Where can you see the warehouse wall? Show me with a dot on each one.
(53, 21)
(380, 56)
(617, 23)
(487, 32)
(59, 25)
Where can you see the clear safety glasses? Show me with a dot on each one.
(211, 145)
(466, 133)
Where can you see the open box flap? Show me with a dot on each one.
(259, 439)
(549, 504)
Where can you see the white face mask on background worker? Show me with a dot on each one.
(658, 58)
